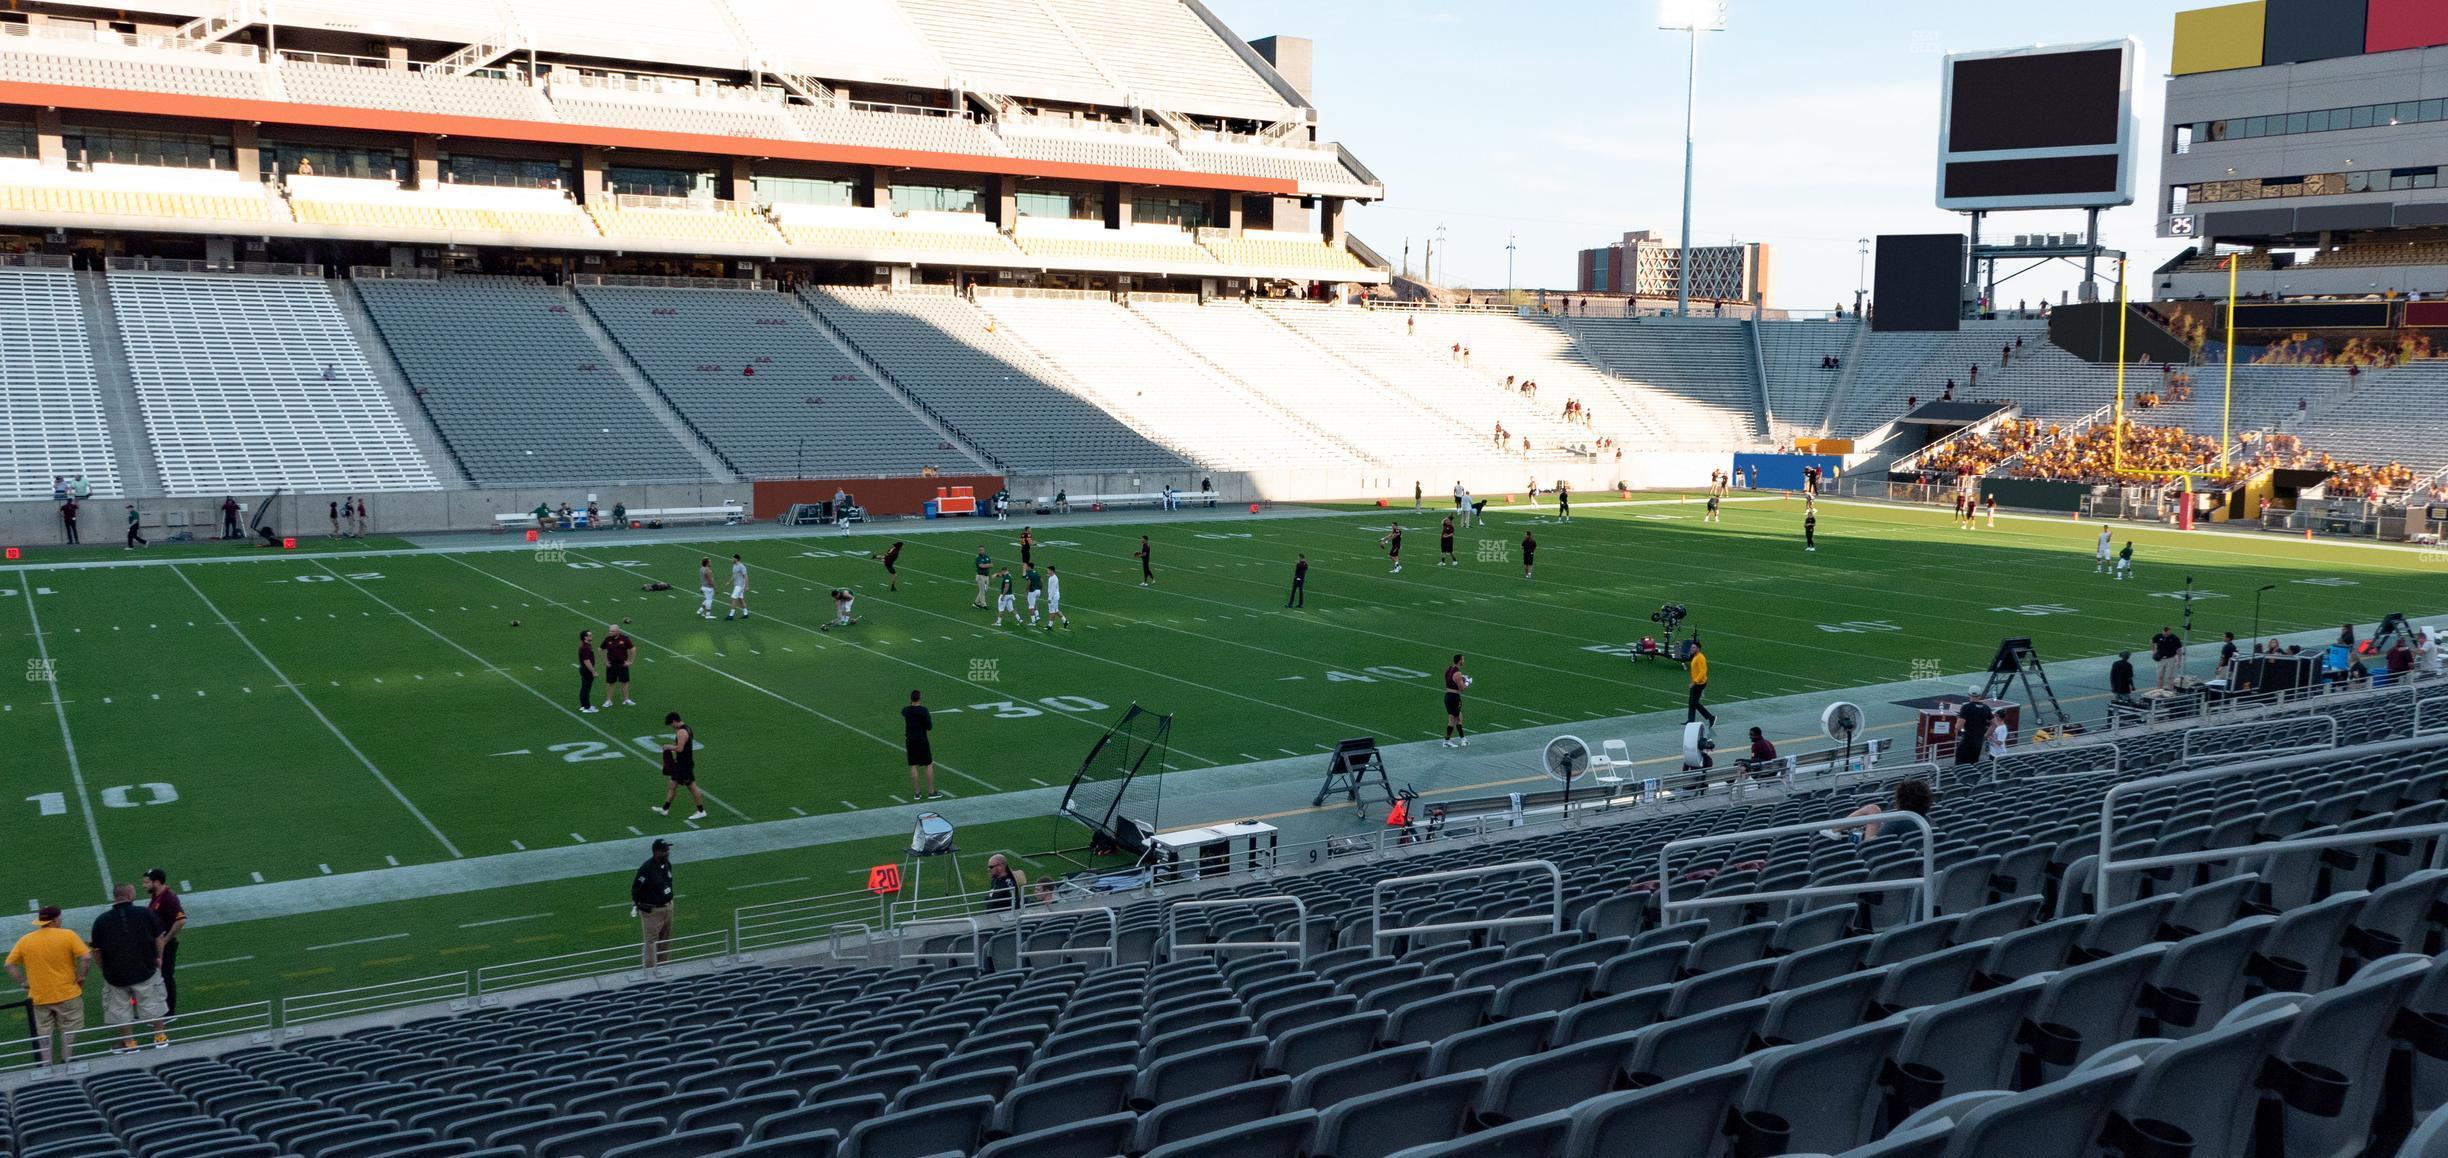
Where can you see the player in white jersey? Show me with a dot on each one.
(2100, 567)
(705, 588)
(739, 589)
(1053, 593)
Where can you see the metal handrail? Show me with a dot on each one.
(1554, 920)
(2420, 729)
(254, 1017)
(1927, 882)
(1021, 952)
(453, 989)
(2108, 802)
(977, 942)
(1172, 928)
(492, 980)
(2439, 851)
(800, 920)
(2187, 755)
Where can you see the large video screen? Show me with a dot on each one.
(1918, 284)
(2038, 128)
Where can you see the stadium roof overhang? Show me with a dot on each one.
(487, 128)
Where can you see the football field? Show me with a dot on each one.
(267, 718)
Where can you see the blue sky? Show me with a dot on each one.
(1560, 122)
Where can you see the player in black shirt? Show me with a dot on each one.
(1563, 501)
(1392, 542)
(1810, 530)
(1147, 563)
(892, 565)
(1529, 553)
(1445, 554)
(1300, 582)
(916, 722)
(680, 767)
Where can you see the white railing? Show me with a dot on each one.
(253, 1018)
(651, 282)
(2261, 744)
(628, 959)
(1022, 954)
(2108, 865)
(188, 265)
(35, 260)
(805, 921)
(109, 39)
(2066, 433)
(1981, 429)
(451, 990)
(1299, 946)
(2428, 710)
(1927, 882)
(1554, 918)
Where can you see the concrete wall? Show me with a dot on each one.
(36, 523)
(102, 521)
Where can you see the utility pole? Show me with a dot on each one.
(1508, 269)
(1861, 273)
(1691, 17)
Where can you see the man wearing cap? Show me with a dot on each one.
(51, 963)
(650, 897)
(171, 918)
(128, 944)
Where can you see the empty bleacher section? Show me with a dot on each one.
(1049, 138)
(135, 191)
(1090, 243)
(2392, 417)
(1552, 1007)
(58, 54)
(751, 372)
(1295, 256)
(379, 204)
(881, 234)
(895, 127)
(1160, 51)
(944, 352)
(1896, 367)
(1536, 348)
(248, 384)
(520, 392)
(664, 104)
(1301, 377)
(51, 421)
(1181, 398)
(1363, 339)
(1697, 371)
(1799, 383)
(631, 217)
(315, 82)
(1293, 161)
(1009, 48)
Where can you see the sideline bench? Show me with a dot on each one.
(1044, 505)
(727, 514)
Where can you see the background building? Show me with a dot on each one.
(1644, 267)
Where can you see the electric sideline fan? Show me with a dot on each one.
(1842, 721)
(1567, 759)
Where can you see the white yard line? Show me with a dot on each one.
(76, 768)
(337, 734)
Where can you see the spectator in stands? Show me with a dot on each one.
(2427, 657)
(171, 918)
(51, 963)
(594, 516)
(59, 482)
(1761, 750)
(2167, 650)
(82, 489)
(650, 901)
(2226, 655)
(127, 941)
(620, 513)
(2400, 666)
(543, 516)
(1004, 884)
(68, 514)
(1972, 727)
(1911, 796)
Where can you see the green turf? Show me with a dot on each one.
(110, 548)
(353, 714)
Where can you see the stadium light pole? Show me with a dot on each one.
(1691, 17)
(1861, 274)
(1508, 269)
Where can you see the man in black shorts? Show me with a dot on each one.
(1445, 555)
(680, 766)
(1028, 548)
(916, 722)
(1563, 501)
(1392, 542)
(1300, 582)
(1529, 553)
(1147, 563)
(892, 565)
(617, 648)
(1810, 530)
(1455, 681)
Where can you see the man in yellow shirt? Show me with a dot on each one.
(51, 963)
(1698, 664)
